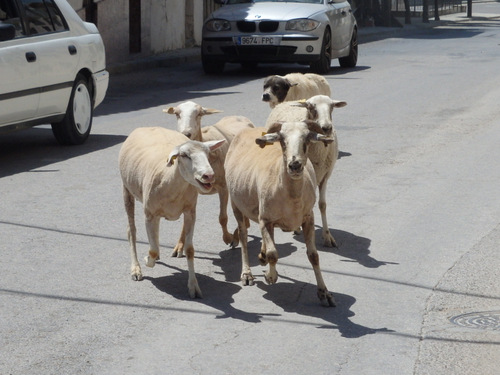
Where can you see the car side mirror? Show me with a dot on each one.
(7, 31)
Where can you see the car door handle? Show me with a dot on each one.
(72, 49)
(30, 57)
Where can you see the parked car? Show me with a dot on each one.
(311, 32)
(52, 68)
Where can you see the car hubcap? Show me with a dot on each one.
(82, 109)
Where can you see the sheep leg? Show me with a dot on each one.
(179, 247)
(189, 220)
(246, 274)
(153, 231)
(223, 199)
(268, 251)
(135, 267)
(328, 239)
(324, 295)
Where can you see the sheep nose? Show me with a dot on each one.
(208, 177)
(295, 166)
(187, 134)
(266, 97)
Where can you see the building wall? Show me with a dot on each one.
(165, 25)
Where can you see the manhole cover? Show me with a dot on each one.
(489, 320)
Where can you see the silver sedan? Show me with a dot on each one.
(311, 32)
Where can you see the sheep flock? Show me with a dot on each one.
(269, 174)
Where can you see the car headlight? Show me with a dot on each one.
(218, 25)
(302, 24)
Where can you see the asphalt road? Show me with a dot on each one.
(413, 204)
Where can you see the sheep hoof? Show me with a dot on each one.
(150, 261)
(228, 238)
(236, 238)
(136, 274)
(329, 241)
(247, 278)
(178, 251)
(194, 291)
(271, 277)
(326, 298)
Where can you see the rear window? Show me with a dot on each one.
(40, 16)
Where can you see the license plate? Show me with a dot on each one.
(258, 40)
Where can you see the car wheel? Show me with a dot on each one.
(322, 66)
(351, 60)
(211, 66)
(75, 127)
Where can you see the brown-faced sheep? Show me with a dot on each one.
(319, 108)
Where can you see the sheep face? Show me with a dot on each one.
(192, 160)
(189, 116)
(294, 138)
(320, 109)
(275, 89)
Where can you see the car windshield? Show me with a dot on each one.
(274, 1)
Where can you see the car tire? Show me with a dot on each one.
(351, 60)
(75, 127)
(322, 66)
(211, 66)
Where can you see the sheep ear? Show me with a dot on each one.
(300, 103)
(291, 84)
(173, 155)
(339, 103)
(267, 139)
(322, 138)
(275, 127)
(169, 110)
(313, 126)
(209, 111)
(214, 145)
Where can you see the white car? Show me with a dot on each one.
(311, 32)
(52, 68)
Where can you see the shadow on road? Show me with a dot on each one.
(31, 149)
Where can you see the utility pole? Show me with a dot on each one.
(469, 8)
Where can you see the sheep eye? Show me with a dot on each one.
(185, 156)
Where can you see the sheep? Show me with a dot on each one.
(293, 86)
(165, 188)
(189, 116)
(319, 108)
(275, 187)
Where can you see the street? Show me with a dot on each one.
(413, 203)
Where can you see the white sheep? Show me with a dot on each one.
(166, 188)
(189, 116)
(294, 86)
(319, 108)
(275, 187)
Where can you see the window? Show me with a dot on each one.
(9, 14)
(42, 17)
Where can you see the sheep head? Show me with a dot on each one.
(189, 116)
(320, 109)
(193, 164)
(294, 138)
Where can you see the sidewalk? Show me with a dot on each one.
(365, 35)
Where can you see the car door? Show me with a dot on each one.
(19, 73)
(56, 55)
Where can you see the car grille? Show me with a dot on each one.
(263, 26)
